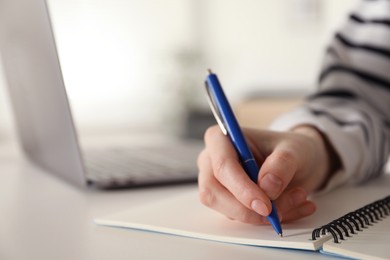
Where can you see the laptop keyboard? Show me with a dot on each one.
(123, 167)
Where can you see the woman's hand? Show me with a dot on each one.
(293, 164)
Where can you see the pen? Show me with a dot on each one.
(225, 118)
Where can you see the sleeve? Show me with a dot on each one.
(352, 105)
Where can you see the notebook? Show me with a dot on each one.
(44, 121)
(183, 215)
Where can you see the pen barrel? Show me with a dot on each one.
(230, 127)
(251, 168)
(273, 219)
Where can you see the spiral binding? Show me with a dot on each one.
(355, 221)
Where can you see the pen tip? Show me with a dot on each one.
(281, 234)
(210, 71)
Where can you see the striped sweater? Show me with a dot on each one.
(352, 104)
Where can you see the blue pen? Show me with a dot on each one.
(228, 123)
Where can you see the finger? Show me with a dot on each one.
(229, 172)
(303, 210)
(290, 200)
(277, 171)
(293, 205)
(212, 194)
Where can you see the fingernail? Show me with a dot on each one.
(297, 197)
(271, 185)
(260, 208)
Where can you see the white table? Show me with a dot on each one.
(42, 218)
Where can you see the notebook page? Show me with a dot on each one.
(373, 243)
(185, 216)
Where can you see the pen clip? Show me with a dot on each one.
(215, 110)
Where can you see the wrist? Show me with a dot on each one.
(327, 162)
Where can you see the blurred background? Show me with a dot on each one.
(134, 65)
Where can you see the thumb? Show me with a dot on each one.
(277, 171)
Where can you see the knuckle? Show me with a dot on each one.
(245, 196)
(206, 196)
(211, 132)
(285, 156)
(220, 168)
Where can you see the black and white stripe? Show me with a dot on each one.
(352, 105)
(362, 49)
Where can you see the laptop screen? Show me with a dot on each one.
(36, 87)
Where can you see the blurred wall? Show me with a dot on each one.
(6, 123)
(135, 65)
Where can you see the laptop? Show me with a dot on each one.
(44, 121)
